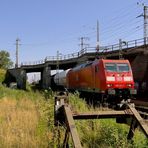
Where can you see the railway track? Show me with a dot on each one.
(143, 111)
(65, 116)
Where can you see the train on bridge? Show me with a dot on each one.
(110, 80)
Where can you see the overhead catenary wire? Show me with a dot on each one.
(112, 23)
(118, 23)
(120, 31)
(122, 24)
(123, 34)
(117, 27)
(120, 17)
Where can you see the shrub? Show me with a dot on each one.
(2, 75)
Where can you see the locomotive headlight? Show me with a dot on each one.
(128, 78)
(129, 85)
(109, 85)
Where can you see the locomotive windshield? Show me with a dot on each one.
(123, 67)
(117, 67)
(111, 67)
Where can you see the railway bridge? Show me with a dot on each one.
(136, 51)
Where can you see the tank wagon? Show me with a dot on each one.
(110, 80)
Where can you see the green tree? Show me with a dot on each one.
(5, 61)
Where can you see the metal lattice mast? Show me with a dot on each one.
(97, 47)
(82, 44)
(145, 23)
(57, 67)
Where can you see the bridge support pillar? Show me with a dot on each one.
(21, 79)
(46, 77)
(140, 72)
(16, 75)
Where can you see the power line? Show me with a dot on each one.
(119, 25)
(126, 34)
(109, 28)
(116, 31)
(120, 15)
(122, 12)
(120, 28)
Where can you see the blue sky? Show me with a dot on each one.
(45, 26)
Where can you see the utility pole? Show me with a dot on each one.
(97, 47)
(145, 24)
(82, 39)
(82, 44)
(120, 49)
(57, 67)
(17, 48)
(121, 43)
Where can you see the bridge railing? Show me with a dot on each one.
(72, 55)
(103, 49)
(125, 45)
(33, 63)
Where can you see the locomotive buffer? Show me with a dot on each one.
(65, 116)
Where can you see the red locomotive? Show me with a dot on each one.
(109, 79)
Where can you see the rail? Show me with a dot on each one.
(103, 49)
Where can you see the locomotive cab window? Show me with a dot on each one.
(117, 67)
(123, 67)
(111, 67)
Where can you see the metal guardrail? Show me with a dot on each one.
(33, 63)
(103, 49)
(71, 56)
(129, 44)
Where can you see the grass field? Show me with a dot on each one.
(21, 120)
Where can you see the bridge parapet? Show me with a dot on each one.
(32, 63)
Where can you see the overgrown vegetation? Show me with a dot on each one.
(27, 120)
(2, 75)
(5, 61)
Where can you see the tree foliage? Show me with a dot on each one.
(5, 61)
